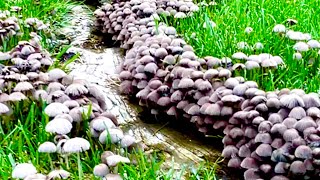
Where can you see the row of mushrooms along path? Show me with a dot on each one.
(268, 135)
(27, 78)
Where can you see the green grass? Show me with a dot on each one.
(233, 16)
(54, 12)
(22, 133)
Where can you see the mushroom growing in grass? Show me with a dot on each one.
(279, 28)
(301, 47)
(77, 145)
(55, 109)
(59, 174)
(248, 30)
(48, 147)
(113, 177)
(21, 171)
(60, 126)
(114, 160)
(101, 170)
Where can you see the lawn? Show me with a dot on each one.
(253, 22)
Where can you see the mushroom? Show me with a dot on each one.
(23, 170)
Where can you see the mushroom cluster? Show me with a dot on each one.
(36, 24)
(275, 135)
(9, 26)
(70, 100)
(263, 60)
(270, 135)
(27, 171)
(126, 20)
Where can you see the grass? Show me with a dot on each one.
(233, 16)
(21, 135)
(54, 12)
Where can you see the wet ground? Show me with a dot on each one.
(99, 64)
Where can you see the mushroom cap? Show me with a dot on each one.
(290, 135)
(305, 123)
(234, 163)
(251, 174)
(115, 135)
(127, 141)
(279, 28)
(244, 151)
(229, 151)
(54, 86)
(264, 150)
(47, 147)
(213, 110)
(101, 170)
(59, 126)
(17, 96)
(76, 89)
(23, 86)
(75, 145)
(231, 83)
(231, 99)
(59, 174)
(236, 133)
(239, 55)
(185, 83)
(263, 138)
(298, 168)
(164, 101)
(113, 177)
(249, 162)
(23, 170)
(278, 128)
(311, 100)
(297, 113)
(56, 74)
(102, 123)
(55, 109)
(313, 112)
(3, 108)
(303, 152)
(113, 160)
(291, 101)
(275, 118)
(37, 176)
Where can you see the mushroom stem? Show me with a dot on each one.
(1, 129)
(50, 159)
(67, 162)
(80, 172)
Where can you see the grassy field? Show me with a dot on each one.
(51, 12)
(232, 17)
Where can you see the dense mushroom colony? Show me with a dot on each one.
(8, 26)
(270, 135)
(69, 99)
